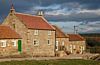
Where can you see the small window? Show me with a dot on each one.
(49, 41)
(83, 48)
(71, 49)
(14, 42)
(36, 32)
(35, 42)
(63, 43)
(49, 32)
(56, 45)
(3, 43)
(14, 26)
(70, 46)
(74, 47)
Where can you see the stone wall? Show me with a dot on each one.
(62, 42)
(78, 47)
(9, 49)
(43, 48)
(20, 28)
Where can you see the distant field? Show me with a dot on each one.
(52, 62)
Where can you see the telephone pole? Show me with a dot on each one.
(75, 29)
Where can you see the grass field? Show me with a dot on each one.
(51, 62)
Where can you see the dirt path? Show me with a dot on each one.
(48, 58)
(39, 58)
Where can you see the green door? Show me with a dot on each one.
(19, 45)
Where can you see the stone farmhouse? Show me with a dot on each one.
(77, 44)
(38, 36)
(33, 35)
(9, 41)
(62, 41)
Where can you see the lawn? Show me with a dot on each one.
(51, 62)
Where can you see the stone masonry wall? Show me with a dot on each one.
(61, 40)
(20, 28)
(78, 47)
(10, 49)
(43, 48)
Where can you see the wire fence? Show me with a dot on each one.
(93, 49)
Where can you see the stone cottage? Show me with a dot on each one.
(9, 41)
(77, 44)
(38, 36)
(62, 41)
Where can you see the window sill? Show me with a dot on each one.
(3, 46)
(36, 45)
(49, 44)
(49, 34)
(36, 34)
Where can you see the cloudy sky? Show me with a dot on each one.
(85, 14)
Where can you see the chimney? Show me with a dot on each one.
(40, 13)
(12, 10)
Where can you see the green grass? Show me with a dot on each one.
(52, 62)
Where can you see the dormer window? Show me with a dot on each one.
(36, 32)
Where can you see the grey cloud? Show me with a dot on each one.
(75, 17)
(88, 4)
(25, 5)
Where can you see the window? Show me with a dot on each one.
(63, 43)
(14, 26)
(36, 32)
(35, 42)
(56, 45)
(83, 48)
(14, 42)
(74, 47)
(49, 41)
(71, 49)
(49, 32)
(3, 43)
